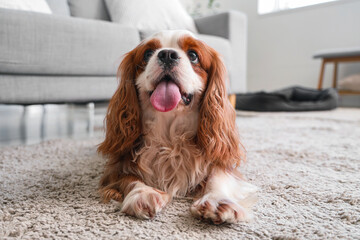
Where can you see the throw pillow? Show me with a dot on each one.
(26, 5)
(59, 7)
(351, 83)
(92, 9)
(152, 15)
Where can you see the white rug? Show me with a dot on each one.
(306, 165)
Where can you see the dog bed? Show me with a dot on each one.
(288, 99)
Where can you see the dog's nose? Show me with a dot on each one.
(168, 57)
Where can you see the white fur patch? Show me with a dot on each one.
(227, 198)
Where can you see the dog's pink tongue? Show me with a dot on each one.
(166, 96)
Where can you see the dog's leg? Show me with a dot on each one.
(227, 199)
(143, 201)
(137, 198)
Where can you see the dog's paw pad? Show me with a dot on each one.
(218, 211)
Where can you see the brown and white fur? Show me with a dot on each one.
(192, 150)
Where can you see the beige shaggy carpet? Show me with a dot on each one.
(305, 164)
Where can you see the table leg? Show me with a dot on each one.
(334, 84)
(232, 99)
(321, 75)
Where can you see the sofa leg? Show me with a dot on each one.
(91, 118)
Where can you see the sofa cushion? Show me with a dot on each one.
(221, 45)
(93, 9)
(150, 15)
(33, 89)
(40, 6)
(32, 43)
(59, 7)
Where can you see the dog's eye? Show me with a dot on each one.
(147, 55)
(193, 56)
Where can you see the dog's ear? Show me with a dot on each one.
(123, 120)
(217, 132)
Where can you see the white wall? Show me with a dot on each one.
(281, 45)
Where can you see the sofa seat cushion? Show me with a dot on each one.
(33, 43)
(221, 45)
(22, 89)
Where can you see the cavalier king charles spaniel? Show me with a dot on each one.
(170, 131)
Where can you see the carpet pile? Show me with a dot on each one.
(306, 166)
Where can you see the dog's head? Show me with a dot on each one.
(173, 71)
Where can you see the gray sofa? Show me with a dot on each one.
(72, 55)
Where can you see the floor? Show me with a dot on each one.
(35, 123)
(306, 166)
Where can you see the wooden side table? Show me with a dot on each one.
(337, 56)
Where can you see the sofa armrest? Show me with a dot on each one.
(45, 44)
(231, 25)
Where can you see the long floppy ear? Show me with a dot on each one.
(123, 123)
(217, 132)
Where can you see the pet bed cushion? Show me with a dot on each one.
(288, 99)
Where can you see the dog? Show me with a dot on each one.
(170, 131)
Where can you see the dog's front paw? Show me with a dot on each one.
(218, 210)
(144, 202)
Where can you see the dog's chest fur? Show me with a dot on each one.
(169, 159)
